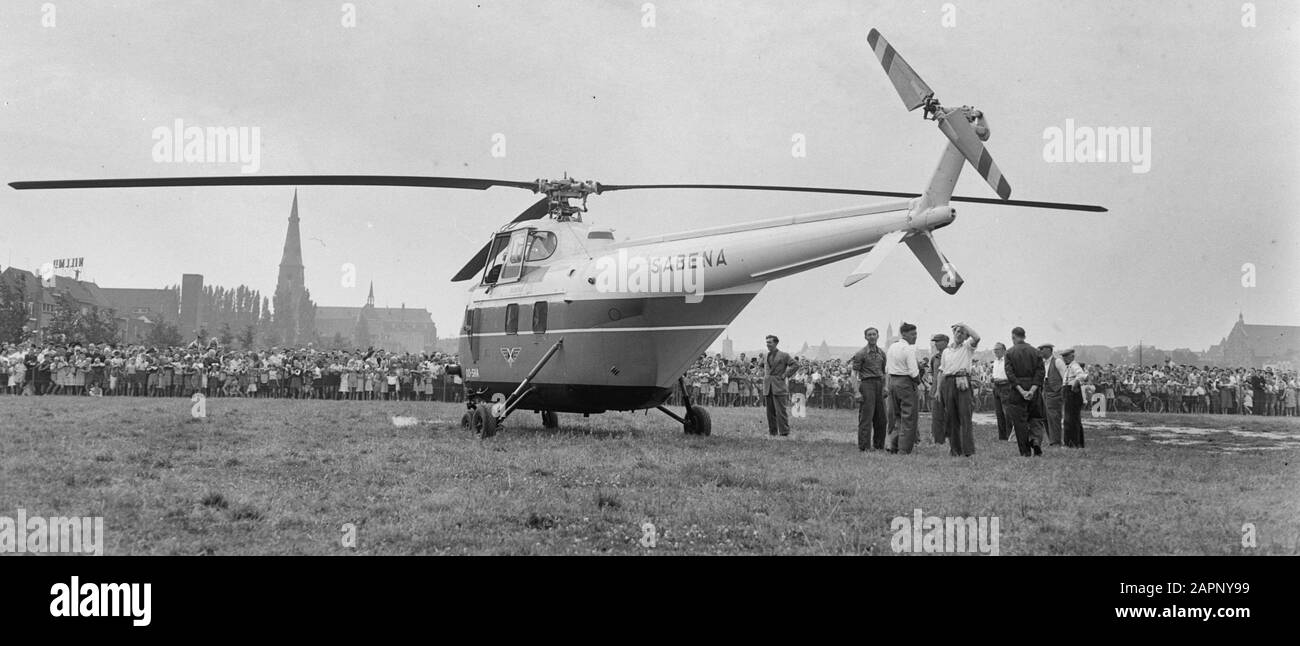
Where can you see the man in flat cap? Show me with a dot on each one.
(1024, 371)
(1072, 399)
(957, 362)
(938, 428)
(1053, 384)
(904, 373)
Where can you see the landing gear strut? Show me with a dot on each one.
(696, 421)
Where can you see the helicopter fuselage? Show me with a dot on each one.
(635, 314)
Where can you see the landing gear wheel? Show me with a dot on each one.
(467, 419)
(697, 421)
(550, 419)
(484, 423)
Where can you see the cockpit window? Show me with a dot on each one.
(511, 250)
(542, 245)
(496, 259)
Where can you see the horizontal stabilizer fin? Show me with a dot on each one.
(872, 261)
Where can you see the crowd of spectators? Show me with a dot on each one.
(31, 368)
(716, 381)
(1199, 389)
(306, 373)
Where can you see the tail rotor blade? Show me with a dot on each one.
(954, 125)
(911, 89)
(872, 261)
(933, 260)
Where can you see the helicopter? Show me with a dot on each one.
(562, 318)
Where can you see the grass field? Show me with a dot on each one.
(283, 477)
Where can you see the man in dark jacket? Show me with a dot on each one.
(778, 367)
(1025, 372)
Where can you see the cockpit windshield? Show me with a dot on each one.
(510, 251)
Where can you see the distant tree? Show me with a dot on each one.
(226, 336)
(65, 325)
(337, 342)
(164, 335)
(13, 312)
(100, 326)
(265, 324)
(248, 336)
(270, 338)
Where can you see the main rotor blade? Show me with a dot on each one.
(475, 184)
(911, 89)
(605, 188)
(471, 269)
(853, 191)
(1063, 206)
(281, 180)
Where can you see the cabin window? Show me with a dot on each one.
(542, 245)
(512, 318)
(539, 317)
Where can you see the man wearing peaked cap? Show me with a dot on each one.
(1053, 387)
(1072, 399)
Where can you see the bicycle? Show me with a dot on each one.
(1153, 405)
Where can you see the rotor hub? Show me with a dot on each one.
(568, 196)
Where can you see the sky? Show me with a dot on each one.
(705, 92)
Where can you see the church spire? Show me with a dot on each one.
(370, 300)
(290, 288)
(292, 239)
